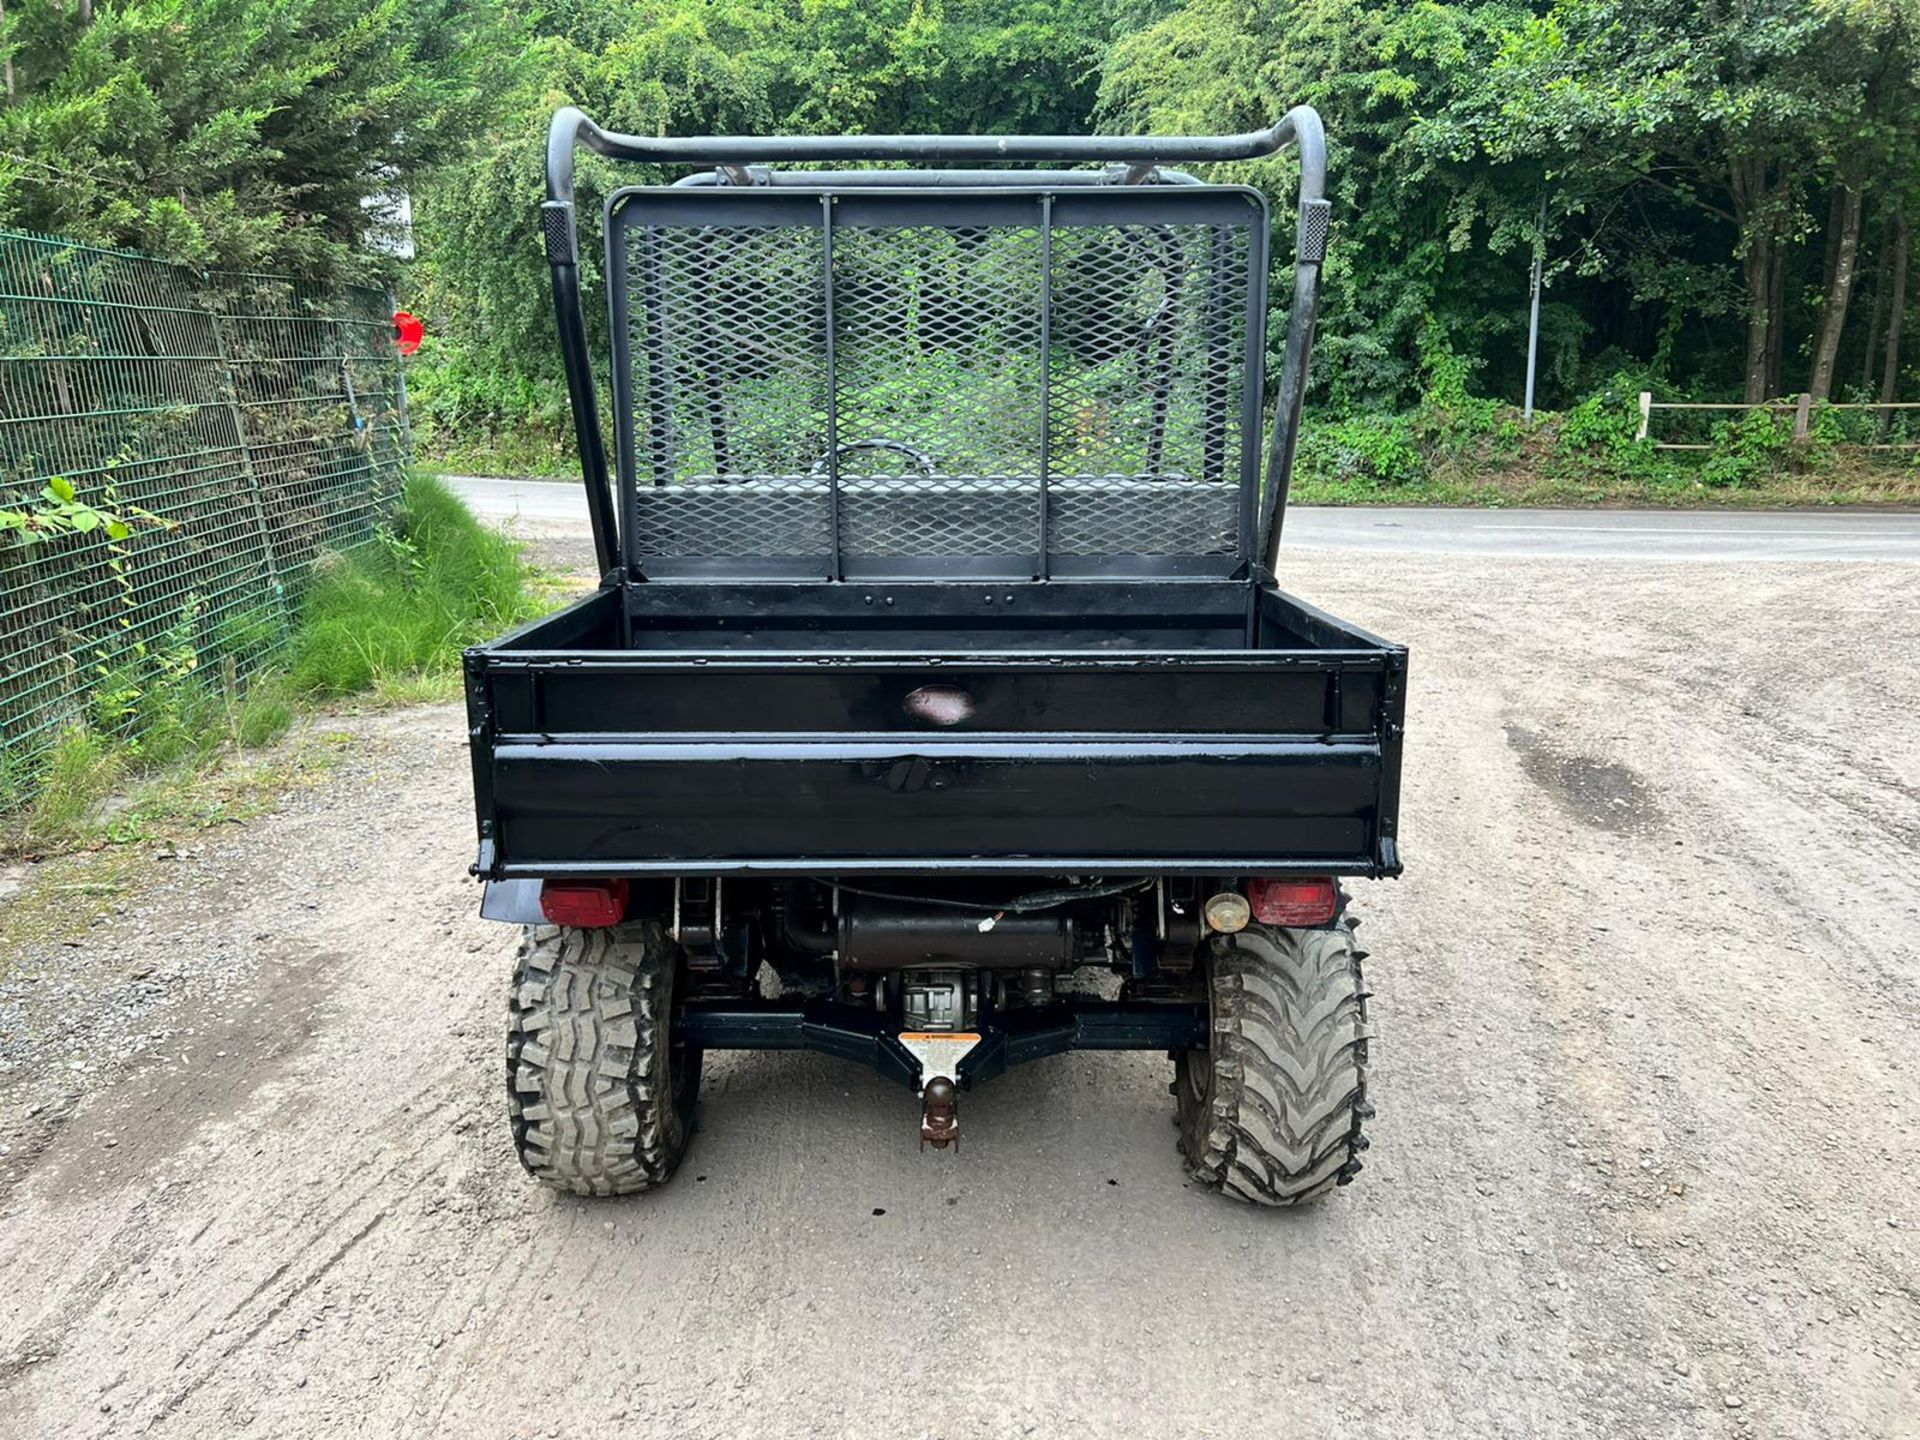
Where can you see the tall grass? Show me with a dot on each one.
(403, 610)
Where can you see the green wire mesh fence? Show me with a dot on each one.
(252, 424)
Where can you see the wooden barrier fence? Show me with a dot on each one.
(1801, 405)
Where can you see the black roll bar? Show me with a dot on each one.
(572, 129)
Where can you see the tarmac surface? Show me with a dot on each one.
(1533, 534)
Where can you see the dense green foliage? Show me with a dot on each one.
(730, 67)
(237, 134)
(1719, 192)
(1670, 147)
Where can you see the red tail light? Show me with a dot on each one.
(1312, 901)
(588, 904)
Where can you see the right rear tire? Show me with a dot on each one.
(1271, 1113)
(600, 1097)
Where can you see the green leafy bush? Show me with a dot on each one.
(1605, 423)
(1381, 451)
(237, 133)
(475, 415)
(1759, 443)
(160, 702)
(1449, 417)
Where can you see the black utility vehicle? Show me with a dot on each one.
(938, 659)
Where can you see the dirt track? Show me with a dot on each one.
(1645, 1162)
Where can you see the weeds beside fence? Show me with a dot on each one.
(219, 433)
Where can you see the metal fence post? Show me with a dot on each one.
(223, 345)
(362, 437)
(1533, 313)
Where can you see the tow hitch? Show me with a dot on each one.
(930, 1061)
(939, 1053)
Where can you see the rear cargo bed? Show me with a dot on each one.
(695, 728)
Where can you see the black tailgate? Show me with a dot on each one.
(630, 763)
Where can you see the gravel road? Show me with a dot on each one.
(1645, 1162)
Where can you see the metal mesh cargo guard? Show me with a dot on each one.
(882, 382)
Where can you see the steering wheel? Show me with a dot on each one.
(920, 458)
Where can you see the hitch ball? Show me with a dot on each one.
(940, 1120)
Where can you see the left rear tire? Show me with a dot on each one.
(599, 1095)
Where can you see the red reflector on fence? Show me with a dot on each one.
(408, 331)
(589, 904)
(1312, 901)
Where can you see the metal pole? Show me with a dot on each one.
(563, 260)
(1299, 126)
(1309, 252)
(1043, 562)
(1533, 320)
(835, 559)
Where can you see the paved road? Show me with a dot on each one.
(1590, 534)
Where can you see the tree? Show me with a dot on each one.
(1683, 148)
(1866, 142)
(235, 133)
(1720, 104)
(1890, 373)
(704, 67)
(1425, 220)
